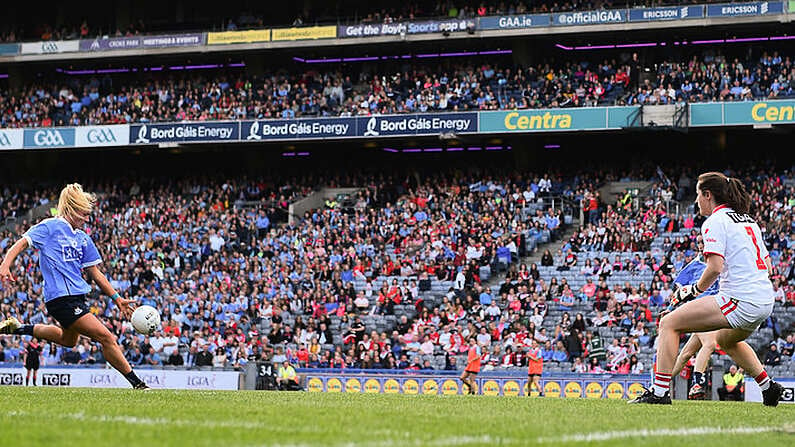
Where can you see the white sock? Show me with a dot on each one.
(763, 380)
(662, 383)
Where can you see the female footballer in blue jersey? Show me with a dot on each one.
(700, 344)
(64, 252)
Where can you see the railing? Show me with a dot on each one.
(558, 202)
(682, 116)
(635, 119)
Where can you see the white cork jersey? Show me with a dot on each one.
(737, 238)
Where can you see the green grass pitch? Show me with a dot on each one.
(126, 418)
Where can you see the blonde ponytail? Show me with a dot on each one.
(74, 200)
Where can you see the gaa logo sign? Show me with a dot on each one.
(101, 136)
(201, 382)
(11, 379)
(56, 379)
(49, 47)
(153, 380)
(102, 379)
(48, 138)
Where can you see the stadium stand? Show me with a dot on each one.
(371, 12)
(388, 89)
(400, 278)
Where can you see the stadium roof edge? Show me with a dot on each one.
(478, 34)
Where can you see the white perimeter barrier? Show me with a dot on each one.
(754, 394)
(110, 378)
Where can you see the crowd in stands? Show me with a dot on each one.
(718, 78)
(15, 202)
(307, 15)
(215, 270)
(233, 286)
(416, 88)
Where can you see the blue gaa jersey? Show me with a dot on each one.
(63, 254)
(691, 273)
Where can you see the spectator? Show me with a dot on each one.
(175, 359)
(153, 358)
(773, 356)
(219, 359)
(287, 378)
(732, 388)
(204, 358)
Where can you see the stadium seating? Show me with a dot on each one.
(389, 89)
(172, 255)
(376, 12)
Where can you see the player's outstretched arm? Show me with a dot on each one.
(8, 261)
(125, 305)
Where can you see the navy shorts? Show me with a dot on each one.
(67, 309)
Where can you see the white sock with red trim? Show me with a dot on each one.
(763, 380)
(662, 383)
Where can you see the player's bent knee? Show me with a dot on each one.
(667, 324)
(106, 338)
(726, 342)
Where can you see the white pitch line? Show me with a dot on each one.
(136, 420)
(656, 433)
(440, 442)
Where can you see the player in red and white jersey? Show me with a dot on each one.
(735, 251)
